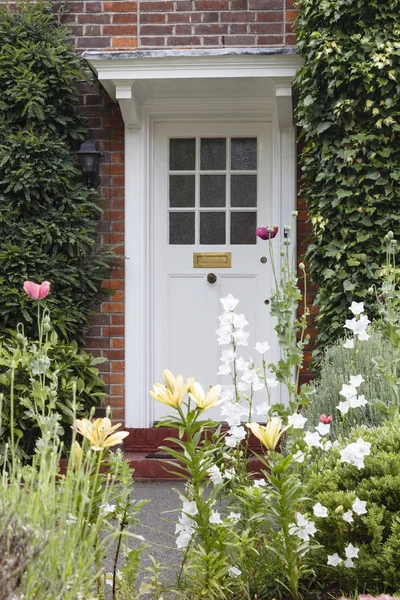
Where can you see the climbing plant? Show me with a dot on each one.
(349, 115)
(48, 217)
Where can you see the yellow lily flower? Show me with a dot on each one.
(270, 434)
(100, 432)
(202, 400)
(173, 391)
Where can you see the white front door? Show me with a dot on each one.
(212, 187)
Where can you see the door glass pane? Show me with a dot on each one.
(181, 227)
(181, 190)
(212, 228)
(212, 190)
(244, 190)
(182, 154)
(243, 227)
(244, 154)
(213, 154)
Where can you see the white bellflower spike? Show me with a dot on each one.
(239, 321)
(229, 302)
(355, 453)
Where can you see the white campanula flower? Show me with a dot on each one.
(183, 539)
(357, 308)
(234, 516)
(356, 380)
(241, 364)
(259, 483)
(358, 326)
(234, 572)
(250, 376)
(334, 559)
(224, 369)
(355, 453)
(344, 407)
(224, 340)
(348, 391)
(233, 412)
(323, 428)
(272, 382)
(228, 355)
(229, 473)
(320, 511)
(215, 474)
(106, 509)
(226, 318)
(349, 343)
(215, 518)
(326, 445)
(243, 387)
(239, 321)
(297, 421)
(189, 508)
(235, 435)
(258, 385)
(262, 347)
(263, 409)
(357, 401)
(348, 516)
(359, 506)
(299, 456)
(349, 563)
(303, 528)
(312, 439)
(229, 302)
(240, 336)
(351, 551)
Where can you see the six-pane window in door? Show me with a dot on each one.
(212, 190)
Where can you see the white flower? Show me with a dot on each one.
(234, 516)
(359, 506)
(356, 380)
(259, 483)
(243, 387)
(223, 330)
(354, 453)
(234, 572)
(239, 321)
(349, 343)
(349, 563)
(235, 435)
(183, 539)
(215, 518)
(351, 551)
(228, 355)
(233, 413)
(344, 407)
(358, 401)
(263, 409)
(304, 528)
(224, 369)
(299, 456)
(258, 385)
(240, 337)
(226, 395)
(249, 376)
(190, 508)
(348, 391)
(226, 318)
(272, 382)
(358, 326)
(334, 559)
(229, 302)
(229, 473)
(312, 439)
(323, 428)
(297, 421)
(320, 511)
(106, 509)
(326, 445)
(224, 340)
(363, 336)
(262, 347)
(241, 364)
(348, 517)
(357, 308)
(215, 474)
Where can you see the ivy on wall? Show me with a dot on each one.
(48, 219)
(349, 114)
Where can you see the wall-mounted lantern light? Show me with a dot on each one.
(89, 161)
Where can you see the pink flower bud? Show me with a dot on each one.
(36, 291)
(325, 420)
(267, 233)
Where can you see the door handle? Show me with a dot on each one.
(211, 278)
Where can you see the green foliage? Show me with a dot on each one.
(43, 378)
(47, 216)
(349, 113)
(375, 533)
(336, 367)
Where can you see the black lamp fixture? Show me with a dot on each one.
(89, 161)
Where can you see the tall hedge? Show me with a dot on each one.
(47, 215)
(349, 114)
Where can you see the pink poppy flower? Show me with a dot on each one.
(37, 291)
(325, 420)
(267, 233)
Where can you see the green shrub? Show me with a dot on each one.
(376, 533)
(43, 379)
(336, 367)
(349, 113)
(47, 216)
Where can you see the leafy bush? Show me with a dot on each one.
(336, 367)
(47, 216)
(376, 533)
(349, 113)
(43, 379)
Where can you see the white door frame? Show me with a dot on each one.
(139, 151)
